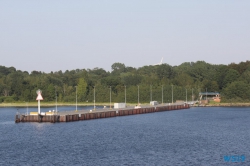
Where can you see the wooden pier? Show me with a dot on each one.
(71, 116)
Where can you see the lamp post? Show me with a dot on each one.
(192, 95)
(186, 95)
(150, 92)
(76, 98)
(206, 94)
(138, 95)
(172, 95)
(27, 108)
(56, 99)
(125, 94)
(162, 94)
(94, 97)
(110, 97)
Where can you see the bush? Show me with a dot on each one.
(9, 99)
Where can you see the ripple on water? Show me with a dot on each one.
(198, 136)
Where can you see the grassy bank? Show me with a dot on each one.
(52, 104)
(229, 104)
(215, 104)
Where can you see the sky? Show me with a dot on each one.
(84, 34)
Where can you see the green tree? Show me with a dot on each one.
(183, 80)
(237, 91)
(210, 86)
(231, 75)
(81, 89)
(245, 76)
(164, 71)
(118, 68)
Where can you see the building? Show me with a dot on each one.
(210, 96)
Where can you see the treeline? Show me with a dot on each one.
(150, 82)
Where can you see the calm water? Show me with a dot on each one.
(198, 136)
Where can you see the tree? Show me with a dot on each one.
(237, 91)
(81, 89)
(202, 70)
(183, 80)
(118, 68)
(49, 93)
(211, 86)
(245, 76)
(220, 75)
(241, 67)
(112, 81)
(131, 79)
(164, 71)
(231, 75)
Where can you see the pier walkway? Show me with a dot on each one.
(69, 116)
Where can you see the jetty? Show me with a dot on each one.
(71, 116)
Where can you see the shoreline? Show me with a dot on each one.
(49, 104)
(224, 105)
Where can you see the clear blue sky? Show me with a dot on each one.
(65, 35)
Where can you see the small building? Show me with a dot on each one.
(210, 96)
(153, 102)
(119, 105)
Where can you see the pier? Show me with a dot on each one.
(70, 116)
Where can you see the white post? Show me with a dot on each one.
(125, 95)
(76, 98)
(94, 97)
(150, 92)
(27, 107)
(192, 95)
(110, 98)
(138, 95)
(186, 95)
(206, 93)
(38, 98)
(56, 101)
(39, 107)
(162, 94)
(172, 95)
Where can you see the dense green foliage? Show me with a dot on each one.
(232, 81)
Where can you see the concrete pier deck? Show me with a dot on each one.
(70, 116)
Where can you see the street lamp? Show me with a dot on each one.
(125, 94)
(56, 98)
(206, 93)
(186, 95)
(162, 94)
(110, 96)
(76, 98)
(150, 92)
(27, 107)
(172, 95)
(192, 95)
(138, 95)
(94, 97)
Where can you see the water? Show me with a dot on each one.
(197, 136)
